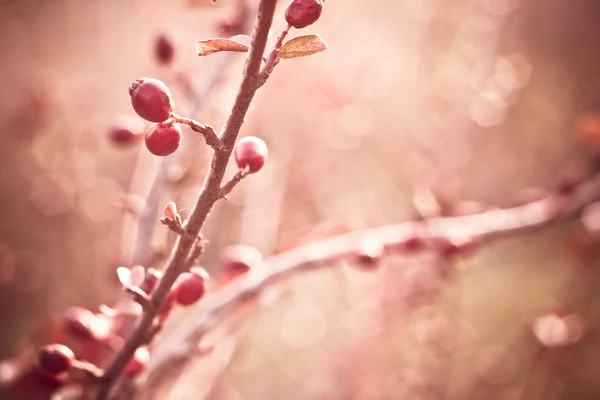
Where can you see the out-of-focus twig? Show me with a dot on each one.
(487, 225)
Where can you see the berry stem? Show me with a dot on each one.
(485, 225)
(227, 187)
(205, 130)
(273, 58)
(210, 193)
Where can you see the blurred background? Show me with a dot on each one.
(467, 99)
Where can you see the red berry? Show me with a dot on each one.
(151, 99)
(164, 49)
(126, 130)
(369, 254)
(79, 322)
(251, 152)
(55, 358)
(138, 363)
(302, 13)
(163, 138)
(238, 259)
(190, 287)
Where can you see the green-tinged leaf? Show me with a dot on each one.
(210, 46)
(302, 46)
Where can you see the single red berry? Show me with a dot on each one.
(447, 248)
(164, 49)
(163, 138)
(251, 152)
(151, 280)
(567, 183)
(151, 99)
(369, 254)
(138, 363)
(410, 244)
(79, 322)
(302, 13)
(55, 358)
(238, 259)
(190, 287)
(126, 130)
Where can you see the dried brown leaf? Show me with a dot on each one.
(210, 46)
(302, 46)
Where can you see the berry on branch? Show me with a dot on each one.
(191, 286)
(164, 49)
(126, 130)
(138, 363)
(151, 99)
(163, 138)
(79, 322)
(238, 259)
(55, 358)
(369, 254)
(251, 152)
(302, 13)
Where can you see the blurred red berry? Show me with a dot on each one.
(138, 363)
(164, 49)
(449, 247)
(55, 358)
(79, 322)
(588, 127)
(163, 138)
(238, 259)
(151, 99)
(410, 244)
(190, 287)
(302, 13)
(127, 130)
(251, 152)
(369, 253)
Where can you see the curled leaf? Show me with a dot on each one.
(302, 46)
(210, 46)
(242, 39)
(124, 275)
(137, 275)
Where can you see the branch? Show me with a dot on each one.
(207, 131)
(487, 225)
(210, 193)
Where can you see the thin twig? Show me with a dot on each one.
(273, 58)
(227, 187)
(487, 225)
(207, 131)
(173, 225)
(209, 195)
(197, 251)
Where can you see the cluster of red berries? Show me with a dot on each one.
(152, 100)
(84, 340)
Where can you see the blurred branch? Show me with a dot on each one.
(486, 225)
(208, 196)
